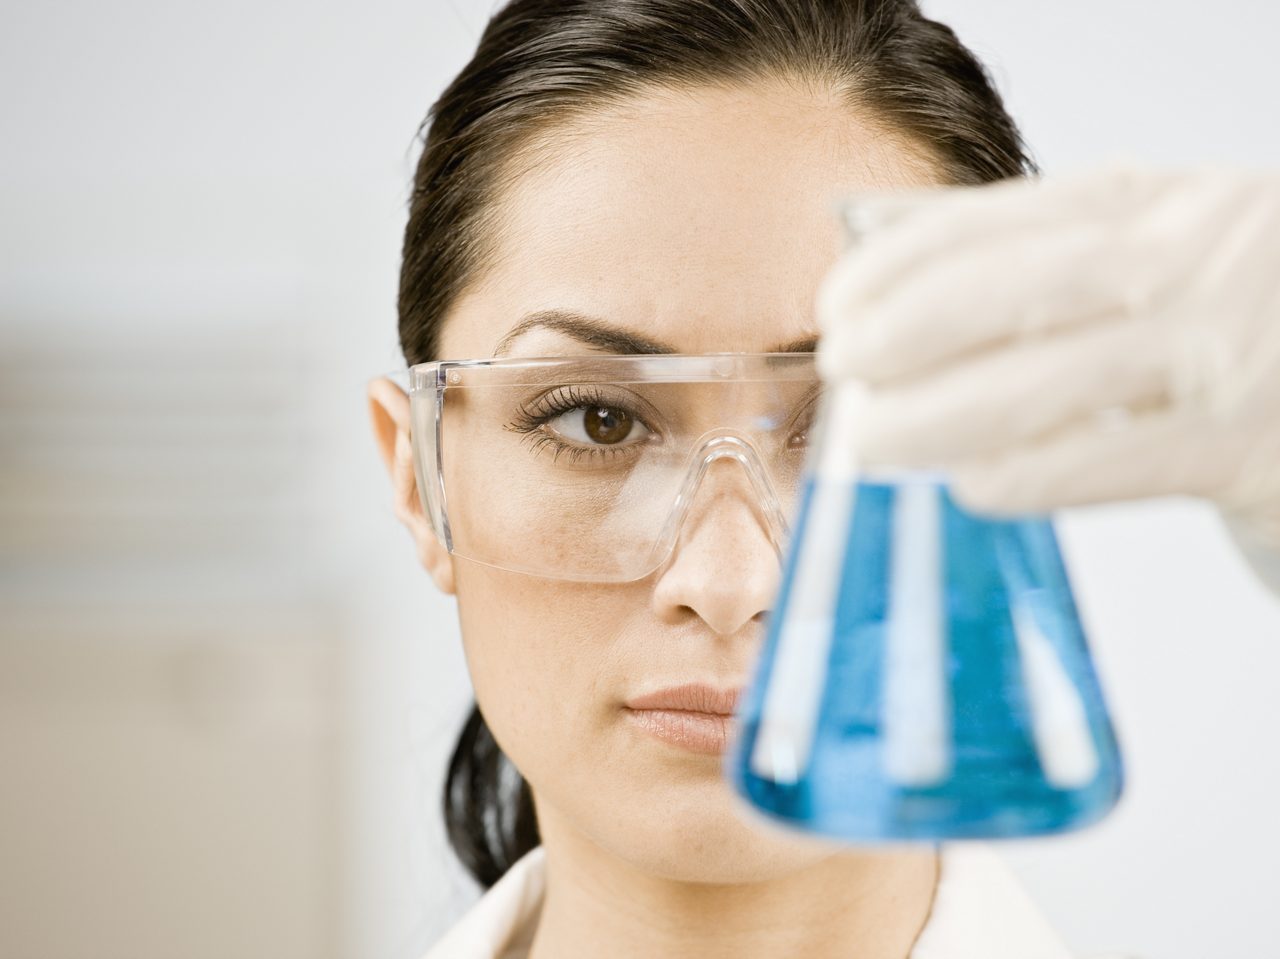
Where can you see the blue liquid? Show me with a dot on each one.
(993, 584)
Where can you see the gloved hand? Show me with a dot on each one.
(1067, 341)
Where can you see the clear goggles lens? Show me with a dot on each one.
(584, 467)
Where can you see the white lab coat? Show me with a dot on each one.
(980, 911)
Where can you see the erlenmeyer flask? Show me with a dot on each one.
(924, 674)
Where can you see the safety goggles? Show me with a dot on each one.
(585, 467)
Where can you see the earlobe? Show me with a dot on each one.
(435, 559)
(389, 416)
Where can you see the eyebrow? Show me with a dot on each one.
(595, 332)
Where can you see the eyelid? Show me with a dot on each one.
(563, 397)
(809, 403)
(647, 415)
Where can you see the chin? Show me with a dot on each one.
(703, 836)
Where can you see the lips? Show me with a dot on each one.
(695, 716)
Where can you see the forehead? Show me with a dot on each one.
(702, 218)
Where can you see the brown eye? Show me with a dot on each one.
(606, 425)
(599, 426)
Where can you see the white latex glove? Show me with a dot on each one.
(1067, 341)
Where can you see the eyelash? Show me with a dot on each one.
(530, 419)
(564, 399)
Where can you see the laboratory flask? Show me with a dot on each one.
(924, 673)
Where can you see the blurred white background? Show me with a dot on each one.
(227, 693)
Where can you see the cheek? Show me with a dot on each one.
(540, 660)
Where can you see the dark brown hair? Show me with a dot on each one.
(540, 62)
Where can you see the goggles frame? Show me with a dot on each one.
(428, 384)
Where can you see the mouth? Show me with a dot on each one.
(695, 717)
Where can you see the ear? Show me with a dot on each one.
(389, 413)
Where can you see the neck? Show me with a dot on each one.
(868, 903)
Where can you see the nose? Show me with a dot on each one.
(724, 566)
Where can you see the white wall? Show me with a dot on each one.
(180, 175)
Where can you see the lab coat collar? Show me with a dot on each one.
(980, 911)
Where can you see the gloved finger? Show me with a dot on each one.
(1159, 454)
(906, 230)
(972, 300)
(1007, 396)
(931, 221)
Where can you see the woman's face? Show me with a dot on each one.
(703, 219)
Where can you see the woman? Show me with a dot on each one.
(658, 175)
